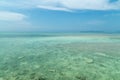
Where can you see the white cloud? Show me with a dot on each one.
(53, 8)
(89, 4)
(85, 4)
(11, 16)
(65, 5)
(13, 21)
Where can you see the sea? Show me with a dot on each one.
(59, 56)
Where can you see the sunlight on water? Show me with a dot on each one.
(69, 57)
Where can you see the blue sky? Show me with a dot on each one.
(59, 15)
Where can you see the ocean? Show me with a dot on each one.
(45, 56)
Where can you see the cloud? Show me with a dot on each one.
(91, 4)
(11, 21)
(53, 8)
(64, 5)
(68, 5)
(11, 16)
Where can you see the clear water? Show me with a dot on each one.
(59, 57)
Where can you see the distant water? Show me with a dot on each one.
(45, 56)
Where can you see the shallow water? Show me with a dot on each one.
(60, 57)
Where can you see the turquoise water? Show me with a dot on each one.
(59, 57)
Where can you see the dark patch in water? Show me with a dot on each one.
(81, 77)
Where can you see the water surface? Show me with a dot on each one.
(59, 56)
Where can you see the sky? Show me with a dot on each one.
(59, 15)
